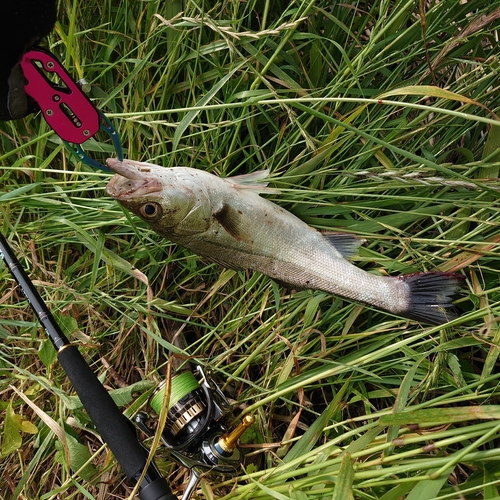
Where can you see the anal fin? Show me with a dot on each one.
(347, 244)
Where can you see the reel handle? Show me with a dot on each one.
(227, 443)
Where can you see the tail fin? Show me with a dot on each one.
(431, 296)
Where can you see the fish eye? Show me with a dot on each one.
(151, 210)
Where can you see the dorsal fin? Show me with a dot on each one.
(347, 244)
(253, 182)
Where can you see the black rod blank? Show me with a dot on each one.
(116, 430)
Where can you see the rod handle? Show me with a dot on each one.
(116, 430)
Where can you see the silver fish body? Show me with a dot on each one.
(227, 221)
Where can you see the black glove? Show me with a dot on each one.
(22, 24)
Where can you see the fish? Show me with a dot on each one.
(227, 221)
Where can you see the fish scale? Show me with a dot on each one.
(227, 221)
(301, 258)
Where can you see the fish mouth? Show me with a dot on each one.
(133, 178)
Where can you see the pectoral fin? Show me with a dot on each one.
(232, 221)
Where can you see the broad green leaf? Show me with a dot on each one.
(456, 369)
(11, 439)
(49, 421)
(125, 395)
(79, 456)
(27, 426)
(47, 353)
(68, 324)
(14, 424)
(122, 396)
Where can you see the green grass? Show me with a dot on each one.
(367, 126)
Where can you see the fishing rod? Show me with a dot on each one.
(116, 430)
(198, 433)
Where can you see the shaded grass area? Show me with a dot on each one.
(377, 118)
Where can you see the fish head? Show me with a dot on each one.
(152, 192)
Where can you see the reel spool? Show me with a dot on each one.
(187, 410)
(195, 432)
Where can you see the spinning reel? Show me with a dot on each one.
(196, 434)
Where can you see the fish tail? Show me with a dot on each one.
(431, 296)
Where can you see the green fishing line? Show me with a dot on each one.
(182, 385)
